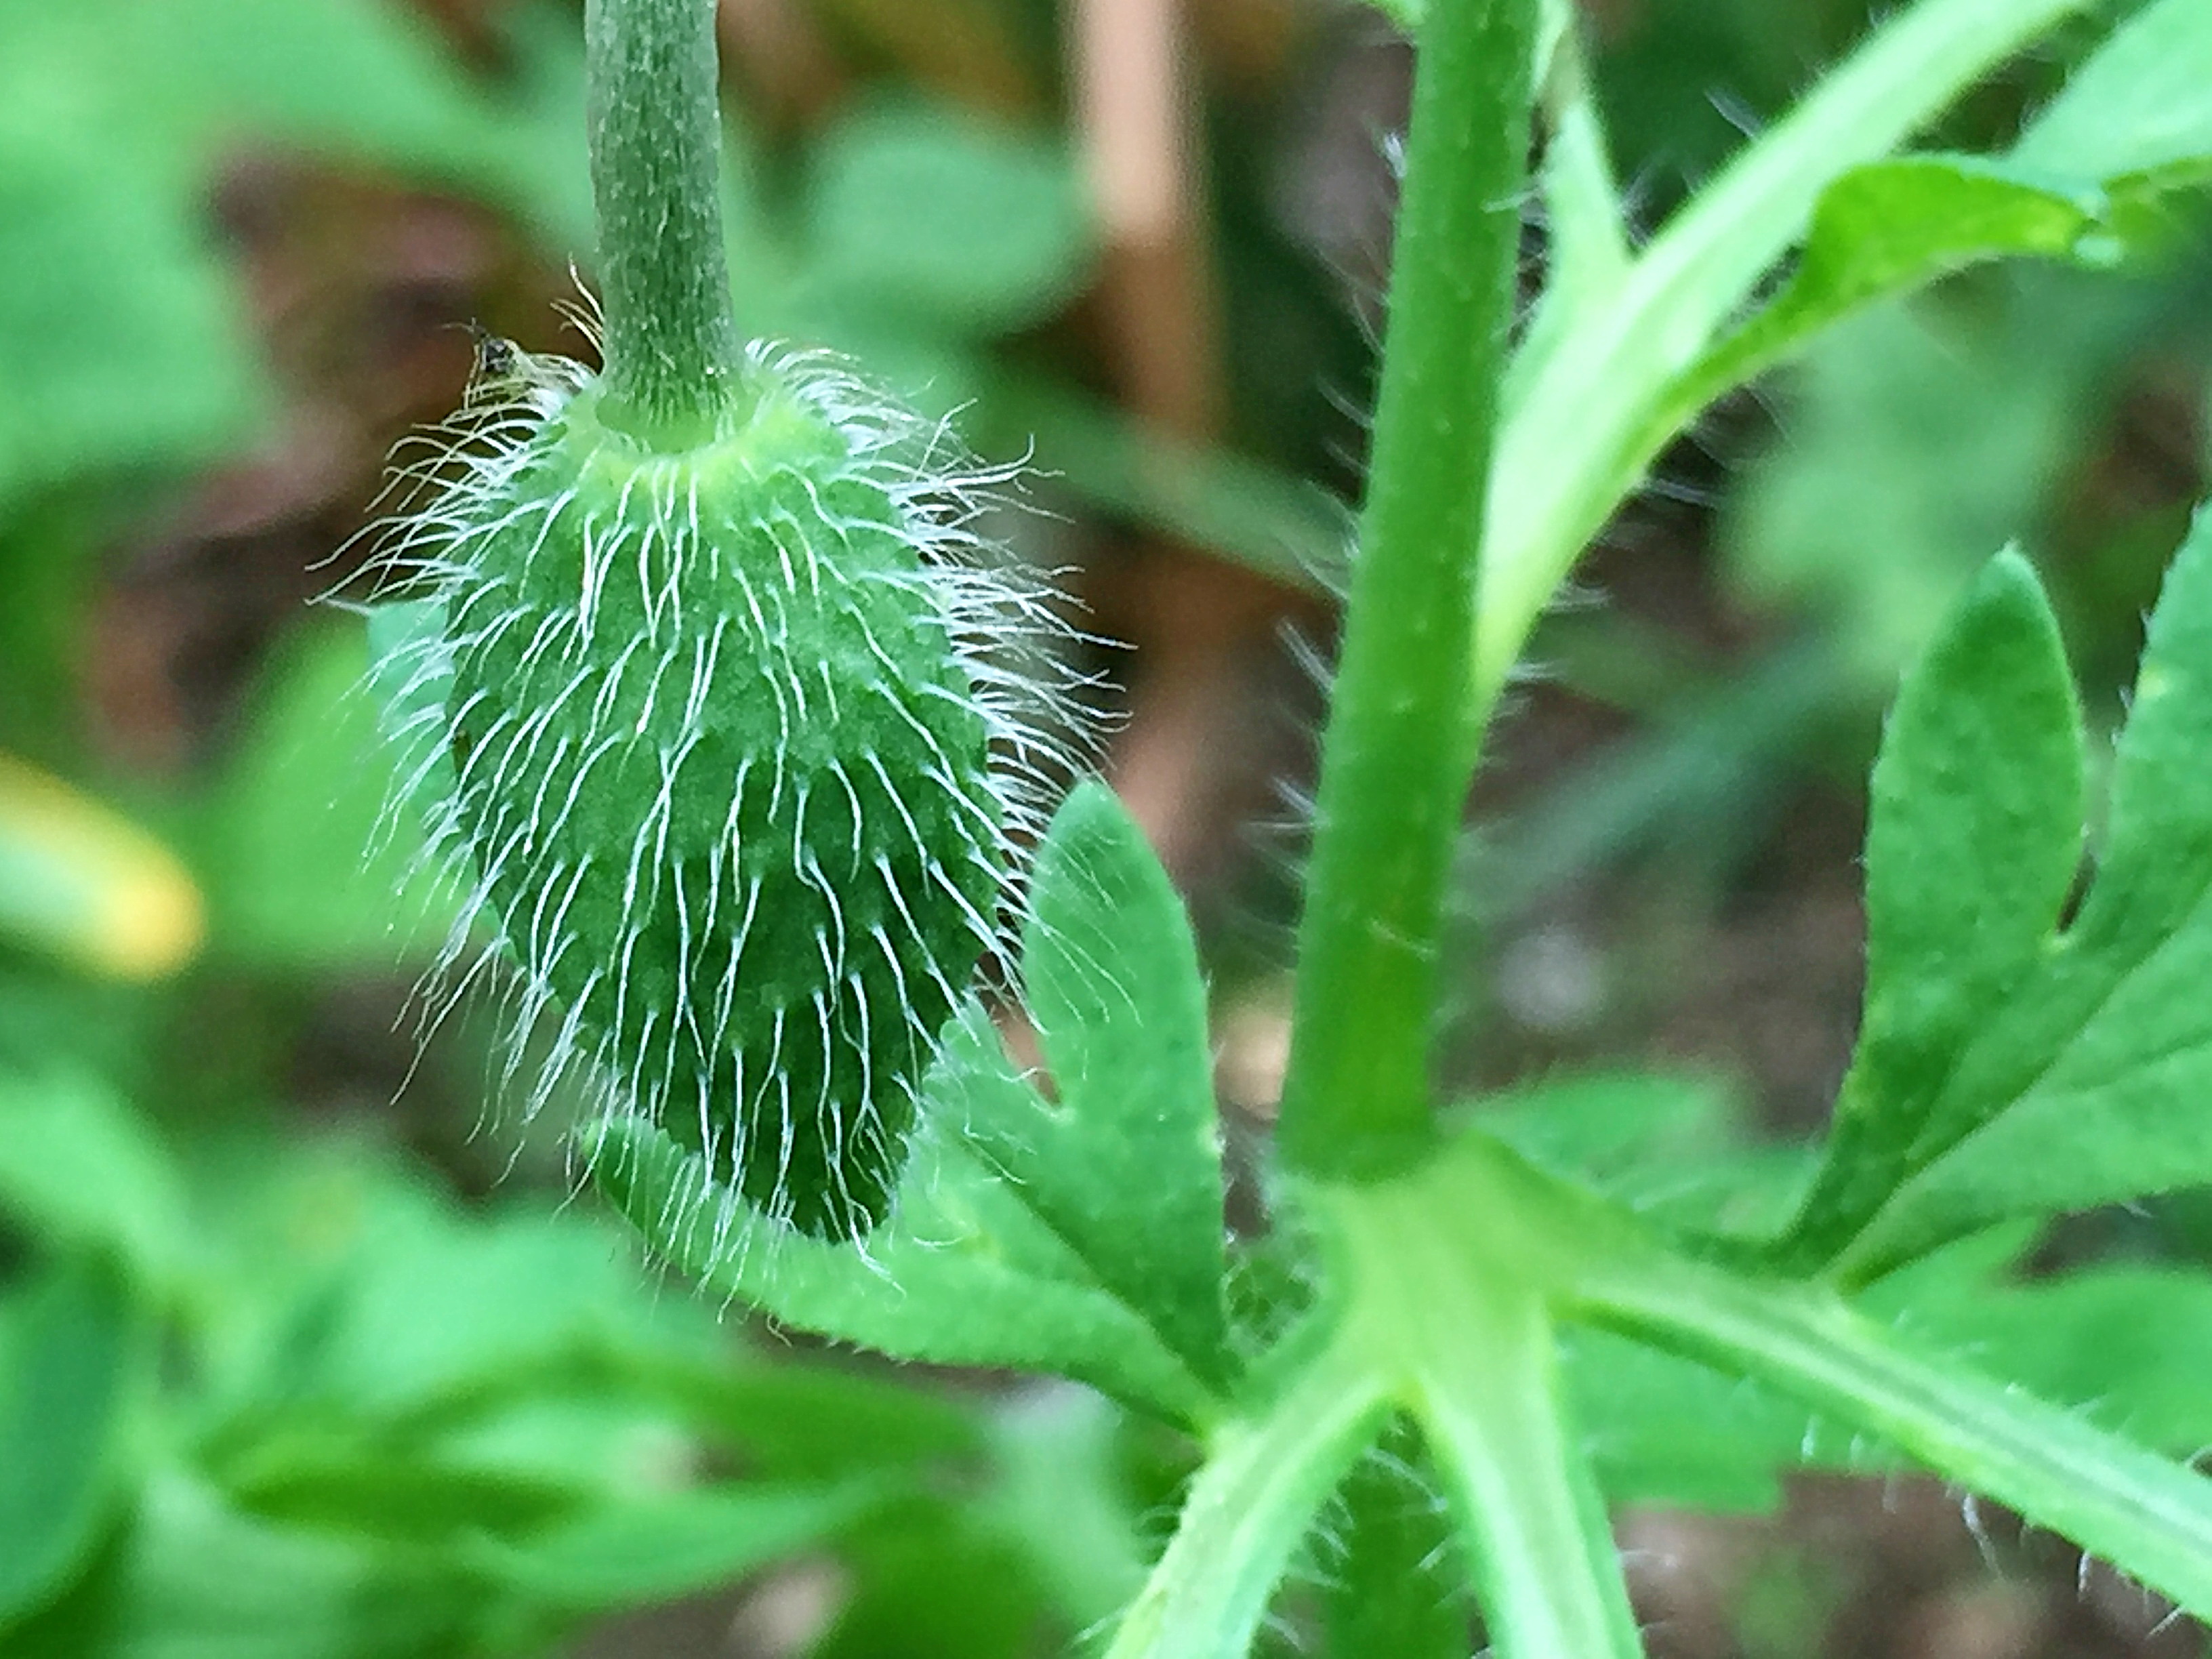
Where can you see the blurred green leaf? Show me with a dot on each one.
(76, 1357)
(1675, 1148)
(2137, 107)
(916, 212)
(2123, 1342)
(120, 347)
(657, 1549)
(360, 1485)
(915, 1582)
(306, 866)
(120, 337)
(1658, 1428)
(797, 1419)
(1061, 1493)
(190, 1579)
(1973, 842)
(78, 1169)
(1914, 447)
(1125, 1164)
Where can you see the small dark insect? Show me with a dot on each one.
(497, 359)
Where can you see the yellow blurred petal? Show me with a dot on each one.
(80, 881)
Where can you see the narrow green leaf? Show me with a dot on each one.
(963, 1274)
(74, 1357)
(1126, 1165)
(2086, 1086)
(2137, 107)
(1893, 226)
(1973, 841)
(656, 1549)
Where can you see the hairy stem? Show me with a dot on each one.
(672, 351)
(2151, 1518)
(1401, 743)
(1265, 1476)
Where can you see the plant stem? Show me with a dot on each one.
(1264, 1478)
(1546, 1570)
(2150, 1517)
(1450, 1269)
(1400, 744)
(653, 106)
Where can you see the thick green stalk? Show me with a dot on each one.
(2149, 1517)
(1401, 743)
(673, 353)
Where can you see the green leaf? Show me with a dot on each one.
(75, 1357)
(1973, 841)
(2137, 107)
(914, 213)
(792, 1420)
(1632, 1401)
(306, 866)
(120, 340)
(2124, 1343)
(191, 1578)
(656, 1549)
(963, 1274)
(1125, 1164)
(77, 1168)
(118, 347)
(1893, 226)
(2084, 1087)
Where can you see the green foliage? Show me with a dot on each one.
(285, 1395)
(1974, 840)
(956, 227)
(1021, 1236)
(1123, 1164)
(74, 1357)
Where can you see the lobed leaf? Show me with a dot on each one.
(1125, 1165)
(962, 1274)
(2085, 1087)
(1973, 841)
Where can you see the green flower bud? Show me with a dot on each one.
(737, 742)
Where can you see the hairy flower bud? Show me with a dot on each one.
(737, 742)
